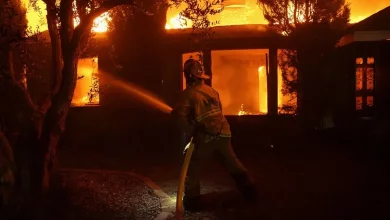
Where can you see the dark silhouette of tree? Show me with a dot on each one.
(41, 122)
(13, 33)
(314, 27)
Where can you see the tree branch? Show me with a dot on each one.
(55, 46)
(87, 21)
(67, 26)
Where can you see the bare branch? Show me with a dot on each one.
(66, 18)
(86, 23)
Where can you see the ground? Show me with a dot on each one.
(297, 179)
(305, 177)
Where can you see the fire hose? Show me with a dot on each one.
(179, 198)
(187, 159)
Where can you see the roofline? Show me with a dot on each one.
(364, 36)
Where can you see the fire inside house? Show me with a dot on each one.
(87, 87)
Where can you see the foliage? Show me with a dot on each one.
(43, 121)
(306, 23)
(195, 11)
(198, 13)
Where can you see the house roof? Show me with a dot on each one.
(46, 36)
(374, 28)
(231, 31)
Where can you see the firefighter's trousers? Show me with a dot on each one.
(222, 150)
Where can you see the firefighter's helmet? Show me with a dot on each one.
(194, 70)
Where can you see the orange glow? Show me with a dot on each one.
(177, 22)
(100, 24)
(286, 100)
(263, 99)
(240, 78)
(251, 13)
(86, 92)
(37, 19)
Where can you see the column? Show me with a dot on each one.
(272, 82)
(207, 65)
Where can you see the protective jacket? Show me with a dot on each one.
(199, 106)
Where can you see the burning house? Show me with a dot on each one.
(242, 59)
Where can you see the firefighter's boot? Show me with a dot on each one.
(246, 187)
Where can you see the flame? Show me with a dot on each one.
(250, 13)
(178, 22)
(100, 24)
(242, 111)
(262, 94)
(37, 22)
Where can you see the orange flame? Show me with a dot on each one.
(251, 13)
(36, 18)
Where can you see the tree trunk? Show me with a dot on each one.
(7, 165)
(54, 123)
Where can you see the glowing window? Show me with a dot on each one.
(370, 79)
(359, 79)
(370, 101)
(370, 60)
(359, 60)
(241, 80)
(87, 86)
(287, 99)
(359, 103)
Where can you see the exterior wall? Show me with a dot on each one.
(380, 51)
(178, 45)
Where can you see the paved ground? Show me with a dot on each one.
(296, 181)
(94, 195)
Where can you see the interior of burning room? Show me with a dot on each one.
(87, 86)
(240, 77)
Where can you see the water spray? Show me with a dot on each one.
(160, 105)
(142, 94)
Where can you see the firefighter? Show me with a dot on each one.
(199, 112)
